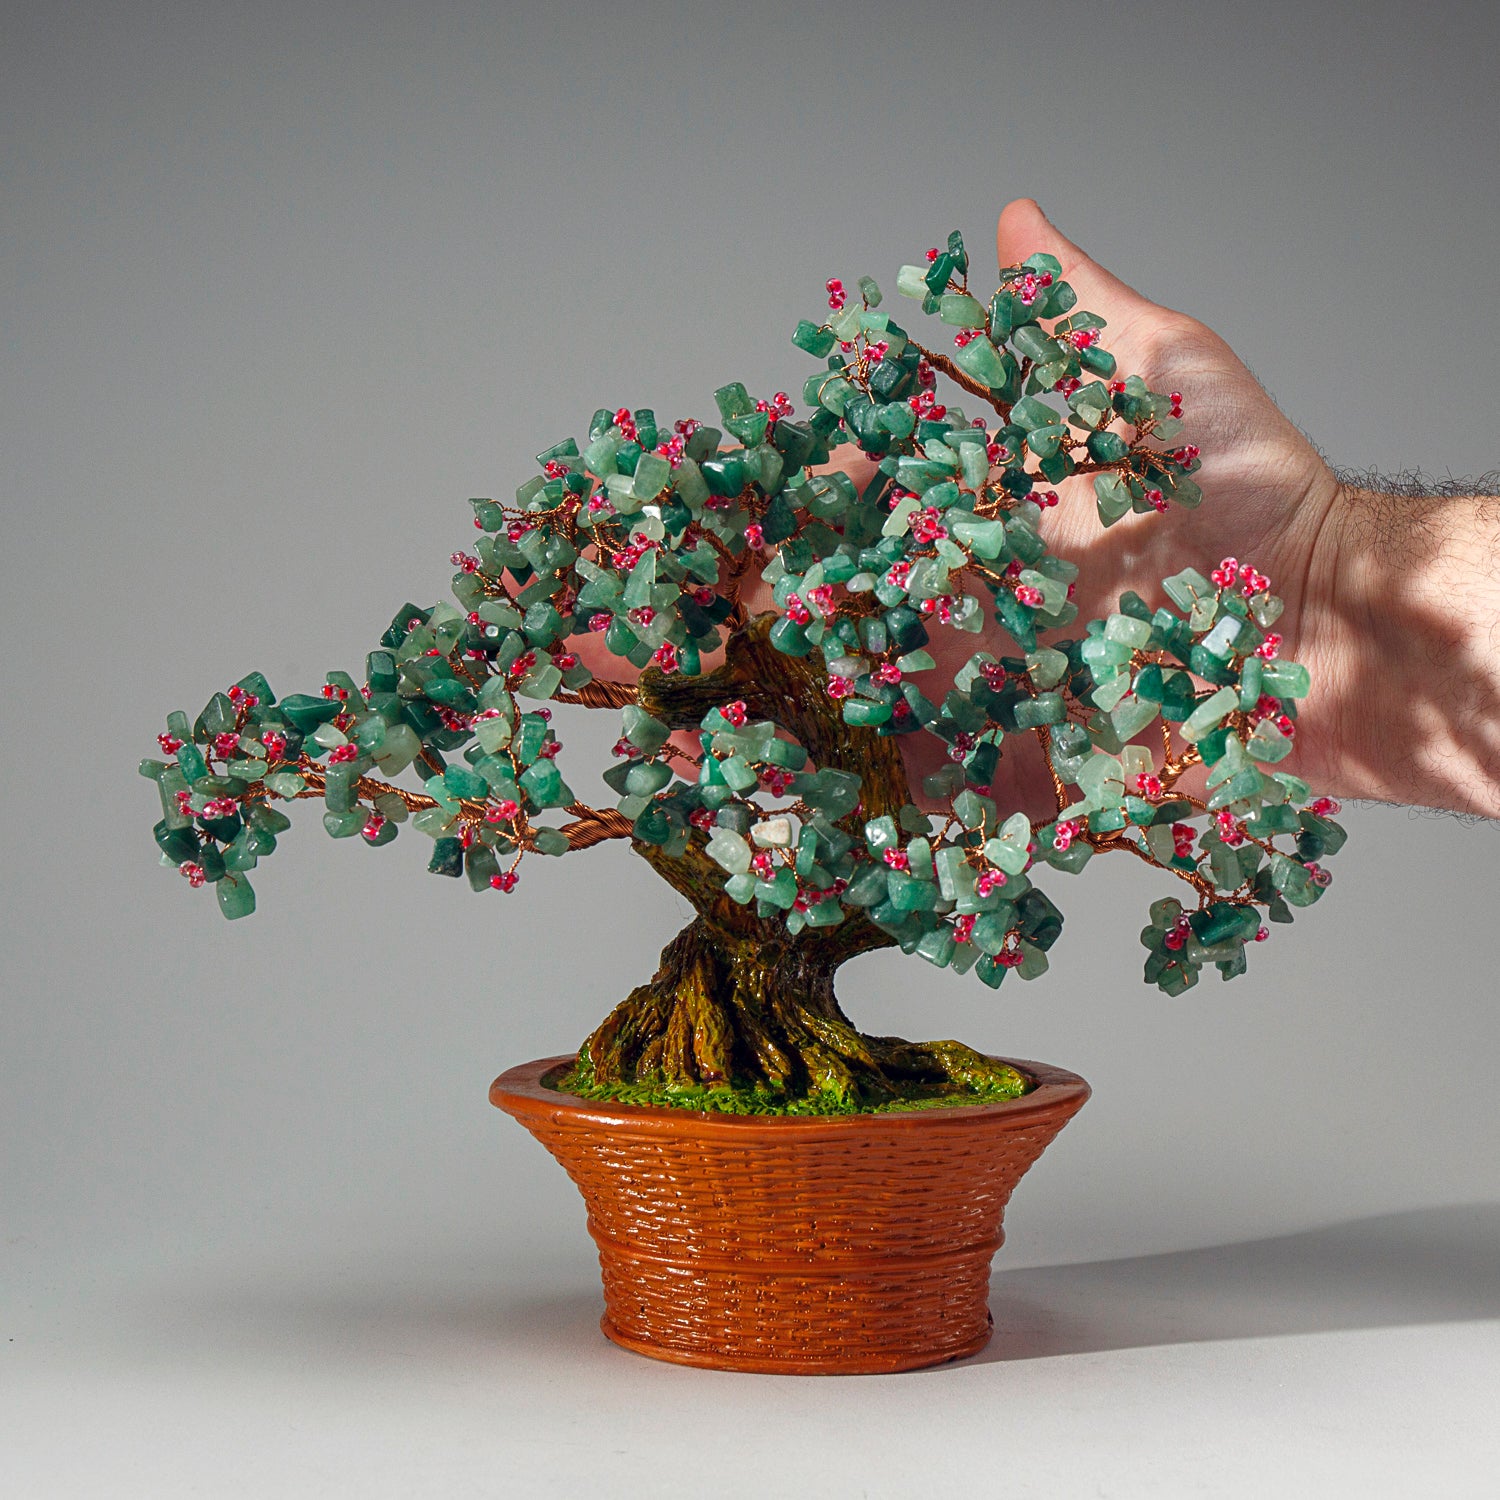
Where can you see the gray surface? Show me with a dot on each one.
(284, 286)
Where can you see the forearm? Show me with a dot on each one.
(1409, 640)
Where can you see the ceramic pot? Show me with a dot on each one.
(848, 1244)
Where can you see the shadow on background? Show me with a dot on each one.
(1436, 1265)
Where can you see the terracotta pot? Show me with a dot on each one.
(849, 1244)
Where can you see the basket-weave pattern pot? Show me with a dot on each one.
(806, 1245)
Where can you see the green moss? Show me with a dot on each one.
(1009, 1084)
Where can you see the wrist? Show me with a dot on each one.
(1405, 599)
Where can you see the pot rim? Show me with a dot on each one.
(521, 1091)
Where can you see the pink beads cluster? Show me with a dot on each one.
(927, 525)
(1178, 934)
(1230, 829)
(342, 754)
(776, 780)
(626, 423)
(1084, 338)
(797, 611)
(897, 859)
(755, 536)
(1324, 807)
(809, 896)
(1182, 840)
(275, 743)
(926, 404)
(1269, 647)
(1029, 596)
(1267, 707)
(735, 713)
(1148, 785)
(836, 294)
(962, 746)
(666, 658)
(1231, 569)
(963, 928)
(1067, 830)
(988, 881)
(192, 873)
(464, 562)
(506, 880)
(1030, 286)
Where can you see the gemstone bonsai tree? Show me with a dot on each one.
(760, 768)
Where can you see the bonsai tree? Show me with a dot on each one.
(762, 624)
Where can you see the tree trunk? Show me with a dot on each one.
(757, 1011)
(738, 1002)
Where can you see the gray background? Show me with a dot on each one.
(284, 285)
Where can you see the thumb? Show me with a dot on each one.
(1024, 229)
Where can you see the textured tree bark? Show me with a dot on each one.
(738, 1001)
(752, 1009)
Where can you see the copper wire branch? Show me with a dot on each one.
(958, 377)
(594, 826)
(599, 694)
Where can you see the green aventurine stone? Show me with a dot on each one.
(1046, 667)
(1268, 743)
(463, 783)
(343, 825)
(1186, 587)
(955, 876)
(911, 894)
(1106, 447)
(236, 897)
(816, 341)
(980, 359)
(307, 713)
(1131, 715)
(647, 778)
(780, 891)
(1209, 713)
(860, 711)
(1127, 630)
(647, 734)
(936, 947)
(543, 783)
(447, 857)
(651, 475)
(1285, 679)
(1044, 709)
